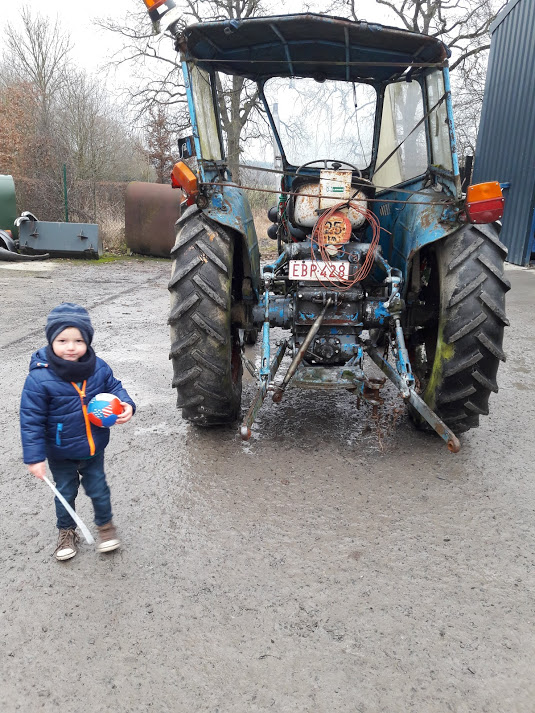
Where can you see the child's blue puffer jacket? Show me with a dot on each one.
(52, 419)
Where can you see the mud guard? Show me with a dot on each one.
(229, 207)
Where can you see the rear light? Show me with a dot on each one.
(484, 202)
(153, 4)
(162, 10)
(183, 177)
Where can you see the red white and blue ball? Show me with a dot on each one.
(103, 410)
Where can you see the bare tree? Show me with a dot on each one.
(93, 141)
(238, 98)
(52, 114)
(39, 54)
(463, 25)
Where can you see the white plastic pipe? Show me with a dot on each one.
(78, 520)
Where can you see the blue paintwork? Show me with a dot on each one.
(229, 207)
(266, 349)
(283, 45)
(407, 227)
(414, 221)
(262, 392)
(410, 396)
(381, 313)
(451, 125)
(402, 358)
(278, 262)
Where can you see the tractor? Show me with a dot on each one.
(381, 257)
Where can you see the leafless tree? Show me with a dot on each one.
(93, 133)
(238, 98)
(55, 114)
(463, 25)
(39, 54)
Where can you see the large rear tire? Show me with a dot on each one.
(205, 347)
(463, 344)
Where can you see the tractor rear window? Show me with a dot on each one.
(323, 120)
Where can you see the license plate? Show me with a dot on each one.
(316, 270)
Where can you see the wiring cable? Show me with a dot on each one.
(318, 238)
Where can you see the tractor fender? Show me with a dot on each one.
(229, 207)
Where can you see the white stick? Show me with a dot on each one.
(78, 520)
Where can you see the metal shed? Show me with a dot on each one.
(505, 149)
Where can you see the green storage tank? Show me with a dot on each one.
(8, 207)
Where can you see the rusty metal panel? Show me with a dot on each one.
(506, 142)
(314, 197)
(151, 211)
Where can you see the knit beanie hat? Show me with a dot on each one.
(67, 315)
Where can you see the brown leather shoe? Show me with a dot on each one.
(107, 538)
(67, 541)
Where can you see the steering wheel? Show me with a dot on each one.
(335, 165)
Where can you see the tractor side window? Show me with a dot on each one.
(323, 119)
(438, 122)
(206, 118)
(404, 154)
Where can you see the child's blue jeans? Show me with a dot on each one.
(68, 474)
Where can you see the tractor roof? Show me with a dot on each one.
(308, 45)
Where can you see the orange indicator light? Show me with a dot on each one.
(183, 177)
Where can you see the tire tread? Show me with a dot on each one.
(472, 321)
(206, 374)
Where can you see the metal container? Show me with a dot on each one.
(37, 237)
(151, 211)
(8, 207)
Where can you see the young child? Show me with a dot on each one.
(64, 376)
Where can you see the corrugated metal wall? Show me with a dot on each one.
(506, 140)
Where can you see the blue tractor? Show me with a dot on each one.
(381, 257)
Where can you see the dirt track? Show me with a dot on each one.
(312, 569)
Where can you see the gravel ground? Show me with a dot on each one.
(318, 567)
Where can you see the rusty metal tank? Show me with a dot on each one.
(151, 211)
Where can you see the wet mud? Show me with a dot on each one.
(323, 566)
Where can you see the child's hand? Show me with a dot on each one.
(37, 469)
(127, 413)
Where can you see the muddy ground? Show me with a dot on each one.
(316, 568)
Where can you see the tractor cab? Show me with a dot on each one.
(357, 111)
